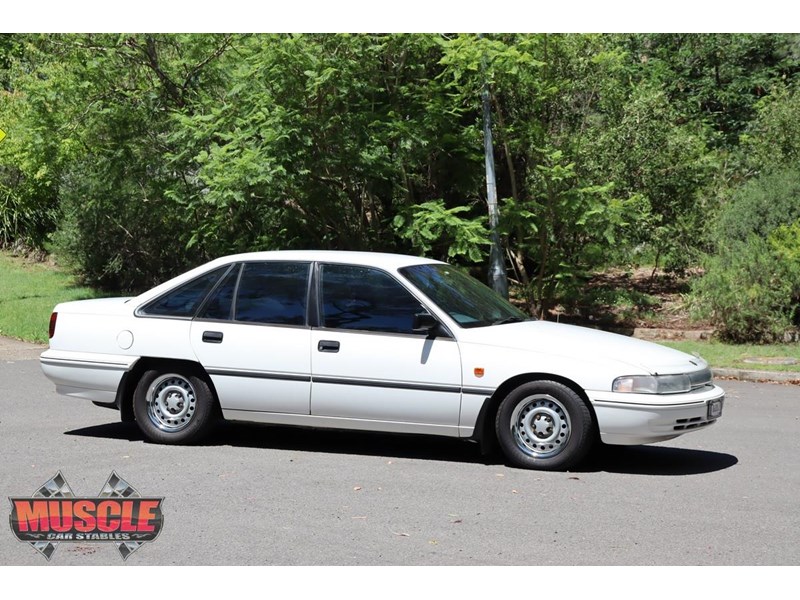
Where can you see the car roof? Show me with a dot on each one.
(377, 259)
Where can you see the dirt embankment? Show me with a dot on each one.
(12, 350)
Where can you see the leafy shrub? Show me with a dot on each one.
(751, 290)
(774, 136)
(25, 220)
(442, 232)
(785, 245)
(759, 207)
(28, 180)
(746, 293)
(118, 232)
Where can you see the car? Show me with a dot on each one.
(370, 341)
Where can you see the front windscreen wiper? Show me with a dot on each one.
(508, 320)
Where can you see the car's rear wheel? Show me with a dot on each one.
(173, 406)
(544, 425)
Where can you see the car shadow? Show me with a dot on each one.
(328, 441)
(655, 460)
(110, 431)
(635, 460)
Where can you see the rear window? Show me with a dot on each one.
(220, 303)
(273, 292)
(186, 299)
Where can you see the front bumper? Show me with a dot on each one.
(628, 419)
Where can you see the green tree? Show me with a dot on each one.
(555, 98)
(772, 139)
(33, 153)
(324, 140)
(91, 114)
(663, 167)
(151, 153)
(717, 78)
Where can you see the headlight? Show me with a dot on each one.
(652, 384)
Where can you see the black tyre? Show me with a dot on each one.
(544, 425)
(174, 406)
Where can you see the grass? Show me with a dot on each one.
(28, 293)
(733, 357)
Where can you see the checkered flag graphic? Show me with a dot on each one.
(56, 487)
(116, 487)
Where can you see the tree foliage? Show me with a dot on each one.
(137, 156)
(772, 140)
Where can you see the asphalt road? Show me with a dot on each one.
(261, 495)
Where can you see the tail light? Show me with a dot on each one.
(53, 319)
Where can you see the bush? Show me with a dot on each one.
(774, 136)
(118, 232)
(746, 293)
(759, 207)
(751, 290)
(785, 245)
(25, 221)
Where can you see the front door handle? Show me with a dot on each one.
(212, 337)
(328, 346)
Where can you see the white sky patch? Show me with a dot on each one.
(406, 16)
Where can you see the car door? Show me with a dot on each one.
(368, 363)
(253, 338)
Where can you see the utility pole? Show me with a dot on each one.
(497, 268)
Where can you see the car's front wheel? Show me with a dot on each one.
(173, 406)
(544, 425)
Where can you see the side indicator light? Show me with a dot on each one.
(478, 371)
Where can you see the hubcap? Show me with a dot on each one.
(540, 426)
(171, 402)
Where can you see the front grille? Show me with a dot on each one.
(693, 423)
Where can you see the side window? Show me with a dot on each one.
(220, 303)
(366, 299)
(273, 292)
(185, 300)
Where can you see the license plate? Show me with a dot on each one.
(715, 408)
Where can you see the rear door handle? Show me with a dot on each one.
(212, 337)
(328, 346)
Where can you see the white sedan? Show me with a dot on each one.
(370, 341)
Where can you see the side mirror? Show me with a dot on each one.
(425, 322)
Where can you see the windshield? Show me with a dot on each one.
(468, 302)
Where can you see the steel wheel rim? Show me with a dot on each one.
(171, 403)
(540, 426)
